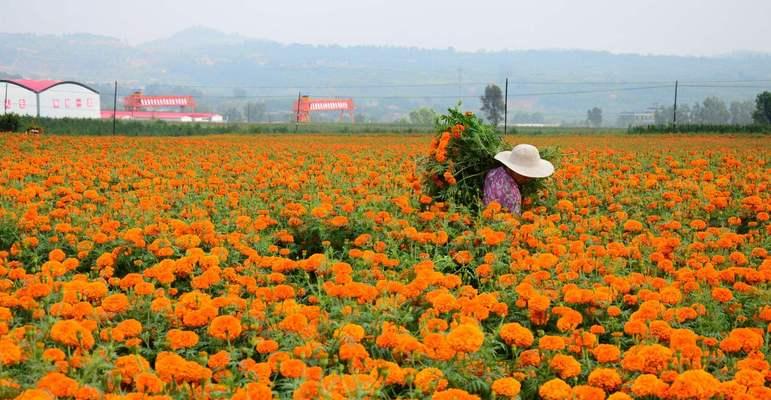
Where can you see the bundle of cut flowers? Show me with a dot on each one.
(461, 154)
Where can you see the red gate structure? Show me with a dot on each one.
(305, 105)
(173, 108)
(139, 102)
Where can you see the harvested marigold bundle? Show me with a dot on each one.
(460, 155)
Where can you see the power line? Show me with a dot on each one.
(451, 84)
(590, 91)
(418, 97)
(727, 86)
(702, 84)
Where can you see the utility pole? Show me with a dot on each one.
(5, 100)
(674, 113)
(506, 108)
(114, 107)
(297, 116)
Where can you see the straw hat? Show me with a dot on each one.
(525, 160)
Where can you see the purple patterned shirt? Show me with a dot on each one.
(501, 187)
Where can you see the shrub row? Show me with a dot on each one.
(700, 128)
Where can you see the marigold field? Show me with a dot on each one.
(310, 267)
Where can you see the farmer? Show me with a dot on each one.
(503, 184)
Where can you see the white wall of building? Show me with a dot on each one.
(18, 100)
(68, 100)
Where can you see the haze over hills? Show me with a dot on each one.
(227, 70)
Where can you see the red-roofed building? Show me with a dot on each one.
(49, 98)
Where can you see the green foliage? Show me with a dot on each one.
(9, 233)
(524, 117)
(741, 112)
(254, 111)
(713, 111)
(9, 123)
(462, 152)
(594, 116)
(699, 128)
(762, 113)
(492, 104)
(535, 188)
(99, 127)
(423, 116)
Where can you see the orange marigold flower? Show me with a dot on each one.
(749, 377)
(506, 387)
(742, 339)
(292, 368)
(179, 339)
(454, 394)
(584, 392)
(225, 327)
(530, 357)
(607, 379)
(147, 382)
(88, 393)
(128, 367)
(463, 257)
(338, 221)
(72, 333)
(649, 359)
(569, 319)
(129, 328)
(52, 354)
(553, 343)
(430, 379)
(467, 338)
(57, 255)
(350, 332)
(565, 366)
(10, 353)
(515, 334)
(253, 391)
(266, 346)
(632, 226)
(722, 295)
(115, 303)
(58, 384)
(759, 392)
(606, 353)
(351, 351)
(173, 368)
(555, 389)
(218, 360)
(648, 385)
(694, 384)
(35, 394)
(106, 260)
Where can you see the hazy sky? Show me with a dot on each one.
(694, 27)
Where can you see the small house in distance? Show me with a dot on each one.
(637, 118)
(49, 98)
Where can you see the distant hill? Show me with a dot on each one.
(226, 70)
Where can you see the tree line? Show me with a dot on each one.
(711, 111)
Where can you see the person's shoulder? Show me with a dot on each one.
(495, 171)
